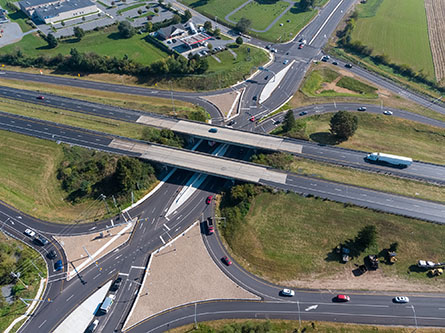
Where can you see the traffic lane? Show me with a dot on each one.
(386, 202)
(209, 311)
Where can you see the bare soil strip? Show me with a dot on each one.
(435, 13)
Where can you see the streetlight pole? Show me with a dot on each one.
(17, 276)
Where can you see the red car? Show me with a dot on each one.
(227, 260)
(252, 118)
(300, 46)
(342, 298)
(209, 199)
(40, 97)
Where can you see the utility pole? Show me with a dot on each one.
(17, 276)
(38, 270)
(103, 197)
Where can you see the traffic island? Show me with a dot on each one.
(228, 103)
(182, 272)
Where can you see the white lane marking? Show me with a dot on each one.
(94, 278)
(167, 218)
(325, 22)
(337, 189)
(137, 267)
(162, 239)
(140, 226)
(69, 298)
(112, 271)
(312, 307)
(42, 324)
(93, 228)
(124, 274)
(166, 227)
(118, 257)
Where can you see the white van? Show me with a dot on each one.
(107, 303)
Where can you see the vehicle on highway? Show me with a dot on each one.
(287, 292)
(335, 63)
(231, 123)
(252, 118)
(210, 226)
(388, 113)
(213, 130)
(394, 160)
(29, 232)
(107, 303)
(362, 108)
(92, 327)
(255, 98)
(342, 298)
(301, 46)
(277, 121)
(348, 66)
(325, 58)
(274, 50)
(40, 97)
(40, 240)
(52, 254)
(116, 284)
(58, 265)
(285, 62)
(401, 299)
(266, 77)
(209, 199)
(302, 113)
(226, 260)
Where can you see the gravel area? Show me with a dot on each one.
(182, 273)
(226, 102)
(74, 245)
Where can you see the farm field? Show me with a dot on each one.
(105, 42)
(435, 13)
(397, 28)
(298, 236)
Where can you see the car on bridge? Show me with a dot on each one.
(287, 292)
(213, 130)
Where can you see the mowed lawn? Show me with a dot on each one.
(398, 29)
(260, 14)
(214, 8)
(105, 42)
(380, 133)
(286, 237)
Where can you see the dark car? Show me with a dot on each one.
(213, 130)
(255, 98)
(226, 260)
(210, 226)
(362, 108)
(231, 123)
(52, 254)
(335, 63)
(40, 240)
(303, 113)
(58, 265)
(348, 66)
(40, 97)
(116, 284)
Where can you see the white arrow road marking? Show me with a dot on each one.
(312, 307)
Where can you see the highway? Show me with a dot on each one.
(346, 157)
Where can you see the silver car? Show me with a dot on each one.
(401, 299)
(287, 292)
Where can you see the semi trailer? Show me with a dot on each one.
(393, 160)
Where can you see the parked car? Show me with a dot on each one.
(58, 265)
(226, 260)
(342, 298)
(52, 254)
(287, 292)
(362, 108)
(210, 226)
(303, 113)
(348, 66)
(40, 240)
(30, 233)
(209, 199)
(401, 299)
(116, 284)
(388, 113)
(40, 97)
(213, 130)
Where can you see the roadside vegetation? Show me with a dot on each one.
(17, 257)
(377, 133)
(299, 235)
(290, 326)
(351, 176)
(38, 176)
(143, 103)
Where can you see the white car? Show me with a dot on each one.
(388, 113)
(287, 292)
(401, 299)
(30, 233)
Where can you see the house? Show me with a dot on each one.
(172, 31)
(48, 11)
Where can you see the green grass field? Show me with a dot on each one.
(104, 42)
(286, 237)
(398, 29)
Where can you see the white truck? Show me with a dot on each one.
(394, 160)
(107, 303)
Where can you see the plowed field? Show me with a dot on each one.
(435, 12)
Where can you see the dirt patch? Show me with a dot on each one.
(227, 103)
(333, 86)
(435, 13)
(183, 273)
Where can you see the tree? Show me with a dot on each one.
(239, 40)
(243, 25)
(140, 11)
(210, 46)
(126, 30)
(149, 26)
(187, 15)
(176, 18)
(366, 237)
(52, 41)
(79, 33)
(216, 32)
(343, 125)
(207, 25)
(289, 122)
(306, 5)
(156, 10)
